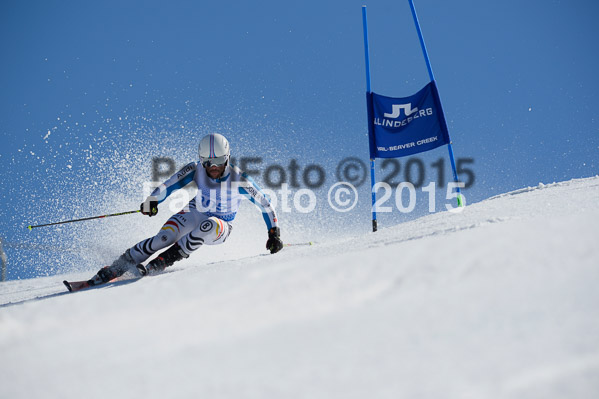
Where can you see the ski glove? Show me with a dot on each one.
(149, 206)
(274, 243)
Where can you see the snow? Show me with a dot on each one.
(498, 301)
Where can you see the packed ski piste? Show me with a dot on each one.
(206, 220)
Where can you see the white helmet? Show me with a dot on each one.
(214, 150)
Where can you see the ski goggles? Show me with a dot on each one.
(217, 161)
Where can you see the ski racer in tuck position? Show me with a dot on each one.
(206, 220)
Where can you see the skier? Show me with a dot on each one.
(207, 218)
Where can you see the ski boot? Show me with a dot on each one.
(117, 269)
(162, 261)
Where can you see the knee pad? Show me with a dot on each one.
(213, 230)
(167, 235)
(210, 231)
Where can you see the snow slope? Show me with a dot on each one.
(499, 301)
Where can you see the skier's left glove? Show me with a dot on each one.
(149, 206)
(274, 243)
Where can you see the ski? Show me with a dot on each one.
(74, 286)
(95, 281)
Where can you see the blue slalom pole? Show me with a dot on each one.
(426, 59)
(368, 91)
(366, 50)
(430, 74)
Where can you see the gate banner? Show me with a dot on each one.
(400, 127)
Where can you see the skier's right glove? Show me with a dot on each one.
(274, 243)
(149, 206)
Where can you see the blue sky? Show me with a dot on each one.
(91, 91)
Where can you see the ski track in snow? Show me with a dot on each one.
(498, 301)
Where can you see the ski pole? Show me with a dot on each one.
(30, 227)
(297, 244)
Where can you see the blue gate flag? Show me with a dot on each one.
(398, 127)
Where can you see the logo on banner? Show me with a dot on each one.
(396, 110)
(410, 115)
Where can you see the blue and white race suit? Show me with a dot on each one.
(206, 220)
